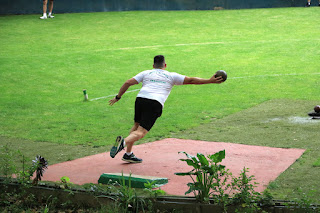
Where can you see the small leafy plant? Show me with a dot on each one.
(304, 201)
(127, 199)
(150, 188)
(153, 193)
(7, 165)
(245, 196)
(65, 182)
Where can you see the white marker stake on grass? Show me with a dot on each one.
(85, 95)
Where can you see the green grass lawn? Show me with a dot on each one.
(45, 64)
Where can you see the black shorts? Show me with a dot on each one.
(146, 112)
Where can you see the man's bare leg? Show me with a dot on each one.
(137, 132)
(134, 127)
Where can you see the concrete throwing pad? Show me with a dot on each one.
(161, 159)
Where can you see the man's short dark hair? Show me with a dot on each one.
(158, 61)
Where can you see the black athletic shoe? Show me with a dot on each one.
(308, 5)
(315, 115)
(131, 158)
(117, 147)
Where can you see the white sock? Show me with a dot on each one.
(44, 14)
(128, 153)
(49, 14)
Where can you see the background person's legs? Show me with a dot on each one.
(50, 9)
(44, 8)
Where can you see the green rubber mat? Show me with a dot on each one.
(137, 181)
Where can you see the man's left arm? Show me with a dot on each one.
(195, 80)
(123, 89)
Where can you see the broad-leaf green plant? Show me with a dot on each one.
(150, 187)
(65, 182)
(209, 177)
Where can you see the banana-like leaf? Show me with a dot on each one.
(195, 160)
(218, 157)
(191, 188)
(191, 163)
(183, 173)
(203, 160)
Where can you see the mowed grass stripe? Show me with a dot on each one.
(5, 54)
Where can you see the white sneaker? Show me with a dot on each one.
(50, 16)
(43, 17)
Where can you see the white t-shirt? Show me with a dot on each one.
(157, 84)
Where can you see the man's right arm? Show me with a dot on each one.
(123, 89)
(126, 85)
(195, 80)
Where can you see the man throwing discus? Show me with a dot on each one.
(156, 87)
